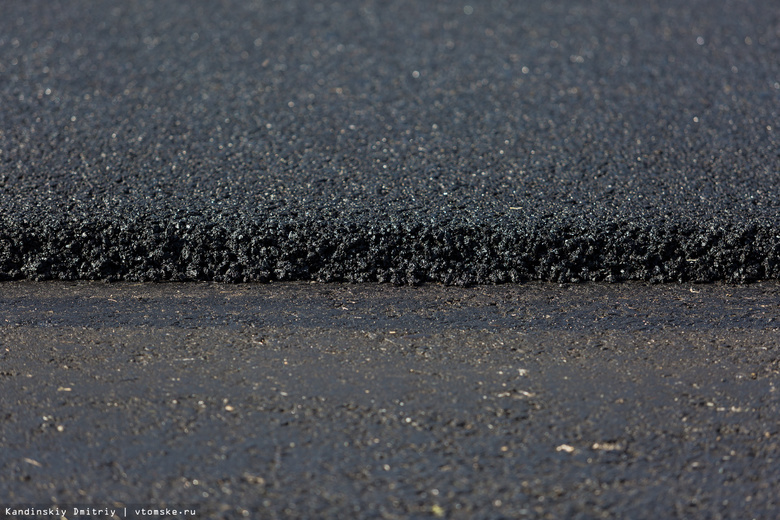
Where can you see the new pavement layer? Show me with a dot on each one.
(459, 142)
(367, 401)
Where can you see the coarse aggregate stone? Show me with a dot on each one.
(399, 141)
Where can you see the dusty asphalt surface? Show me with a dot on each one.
(461, 142)
(308, 400)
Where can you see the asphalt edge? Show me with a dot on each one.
(306, 248)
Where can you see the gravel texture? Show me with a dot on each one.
(395, 141)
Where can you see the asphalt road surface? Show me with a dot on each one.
(457, 142)
(306, 400)
(443, 144)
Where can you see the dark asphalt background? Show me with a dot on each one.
(460, 142)
(368, 401)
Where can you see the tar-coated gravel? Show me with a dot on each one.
(401, 141)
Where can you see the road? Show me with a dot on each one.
(509, 158)
(460, 143)
(303, 400)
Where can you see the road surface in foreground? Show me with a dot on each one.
(374, 401)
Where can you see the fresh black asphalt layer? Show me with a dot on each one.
(301, 400)
(457, 142)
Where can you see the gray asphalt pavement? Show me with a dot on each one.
(457, 142)
(371, 401)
